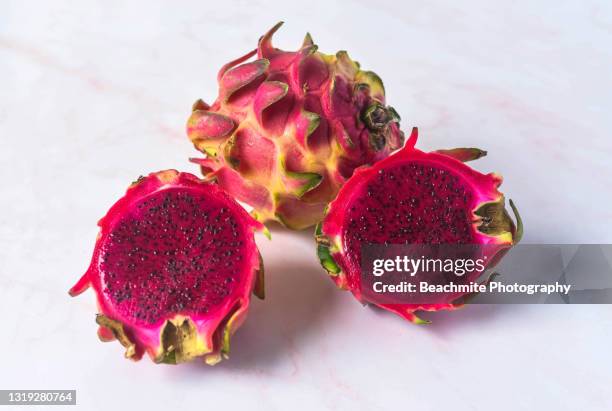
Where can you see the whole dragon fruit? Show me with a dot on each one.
(414, 197)
(289, 128)
(173, 268)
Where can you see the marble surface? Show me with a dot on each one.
(95, 93)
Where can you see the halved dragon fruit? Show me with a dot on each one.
(290, 127)
(413, 197)
(173, 269)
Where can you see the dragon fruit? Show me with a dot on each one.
(173, 268)
(413, 197)
(289, 128)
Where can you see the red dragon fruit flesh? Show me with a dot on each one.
(173, 269)
(413, 197)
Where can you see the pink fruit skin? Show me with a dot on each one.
(485, 216)
(289, 128)
(185, 326)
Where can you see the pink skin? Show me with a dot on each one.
(305, 111)
(268, 93)
(483, 188)
(147, 336)
(207, 125)
(239, 76)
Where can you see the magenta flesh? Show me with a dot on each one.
(174, 252)
(412, 203)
